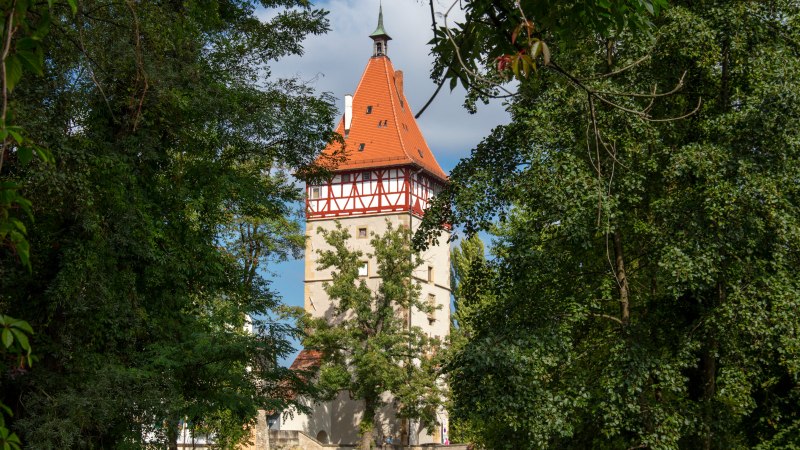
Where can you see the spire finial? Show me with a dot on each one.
(380, 37)
(381, 44)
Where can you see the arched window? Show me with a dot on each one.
(378, 48)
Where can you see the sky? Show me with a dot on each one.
(334, 63)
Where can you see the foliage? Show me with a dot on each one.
(468, 267)
(496, 37)
(24, 25)
(167, 196)
(16, 353)
(643, 292)
(369, 348)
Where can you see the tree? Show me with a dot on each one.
(644, 274)
(498, 40)
(167, 135)
(368, 347)
(467, 267)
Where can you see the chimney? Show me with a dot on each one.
(398, 83)
(348, 113)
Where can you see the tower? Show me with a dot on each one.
(389, 175)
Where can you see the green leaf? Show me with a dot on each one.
(44, 154)
(22, 339)
(536, 48)
(31, 60)
(25, 154)
(8, 338)
(22, 325)
(73, 4)
(24, 252)
(13, 72)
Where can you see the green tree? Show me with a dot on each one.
(368, 346)
(644, 278)
(467, 271)
(500, 39)
(168, 136)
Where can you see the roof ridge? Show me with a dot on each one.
(394, 111)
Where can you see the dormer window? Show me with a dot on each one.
(361, 147)
(369, 109)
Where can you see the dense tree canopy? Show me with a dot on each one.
(644, 290)
(167, 193)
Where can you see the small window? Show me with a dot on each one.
(314, 192)
(345, 178)
(369, 109)
(366, 176)
(430, 274)
(379, 46)
(363, 269)
(362, 232)
(420, 153)
(432, 304)
(380, 124)
(361, 147)
(385, 122)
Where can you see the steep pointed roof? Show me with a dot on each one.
(383, 130)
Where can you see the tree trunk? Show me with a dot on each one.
(368, 423)
(172, 435)
(622, 280)
(725, 81)
(709, 365)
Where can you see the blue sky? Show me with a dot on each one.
(334, 63)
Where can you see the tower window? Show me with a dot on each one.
(432, 305)
(369, 109)
(363, 269)
(361, 147)
(379, 48)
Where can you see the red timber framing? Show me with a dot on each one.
(372, 191)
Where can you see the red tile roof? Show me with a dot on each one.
(384, 124)
(306, 360)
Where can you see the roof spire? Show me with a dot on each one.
(379, 36)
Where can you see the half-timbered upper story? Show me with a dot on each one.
(388, 166)
(372, 191)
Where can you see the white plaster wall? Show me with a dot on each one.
(438, 257)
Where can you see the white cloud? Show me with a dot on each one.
(334, 63)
